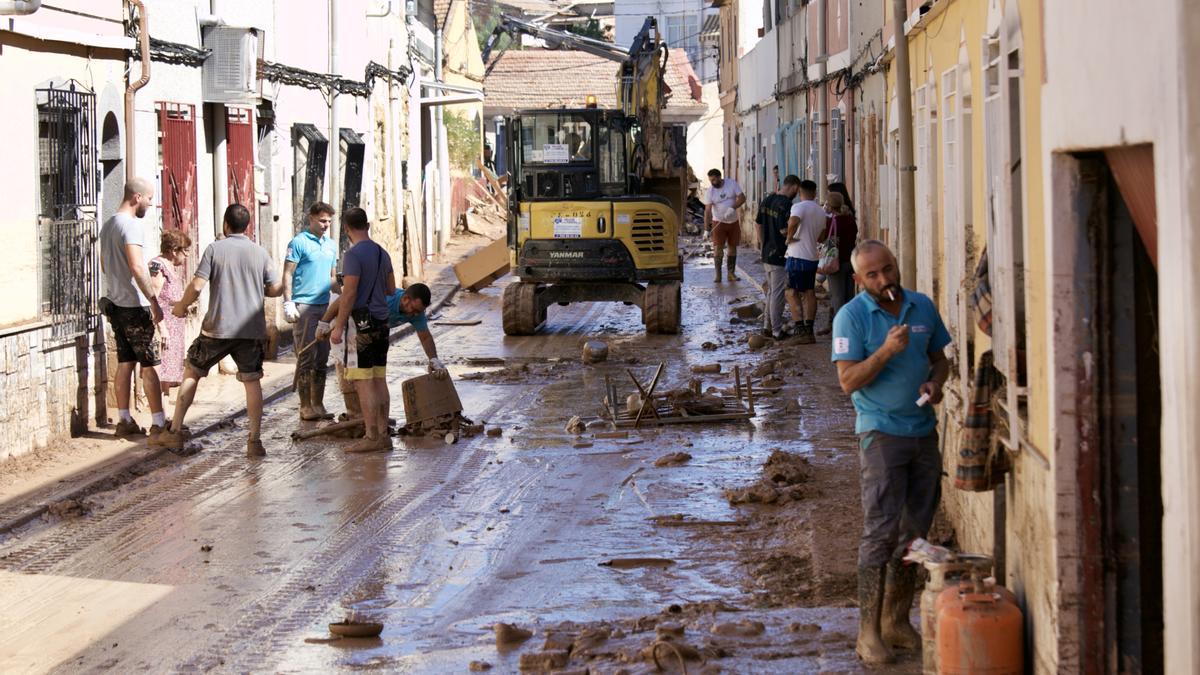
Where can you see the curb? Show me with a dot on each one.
(105, 481)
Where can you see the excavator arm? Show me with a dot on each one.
(641, 89)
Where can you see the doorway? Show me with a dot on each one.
(1121, 584)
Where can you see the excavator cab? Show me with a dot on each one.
(580, 229)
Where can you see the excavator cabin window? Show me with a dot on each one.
(571, 155)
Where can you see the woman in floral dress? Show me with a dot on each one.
(168, 288)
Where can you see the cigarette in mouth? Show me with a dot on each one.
(891, 295)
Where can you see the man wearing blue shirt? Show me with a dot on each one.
(887, 344)
(308, 277)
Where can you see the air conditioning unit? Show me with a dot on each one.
(230, 73)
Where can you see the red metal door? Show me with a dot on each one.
(239, 135)
(177, 153)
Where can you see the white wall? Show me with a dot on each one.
(1095, 97)
(705, 149)
(759, 70)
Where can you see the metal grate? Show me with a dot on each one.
(68, 174)
(649, 232)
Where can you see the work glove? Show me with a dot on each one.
(324, 328)
(438, 369)
(290, 313)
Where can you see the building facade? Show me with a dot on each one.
(1041, 188)
(681, 24)
(238, 107)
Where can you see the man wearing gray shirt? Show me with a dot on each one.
(240, 274)
(130, 304)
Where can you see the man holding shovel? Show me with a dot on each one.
(308, 278)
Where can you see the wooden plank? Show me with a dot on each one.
(691, 420)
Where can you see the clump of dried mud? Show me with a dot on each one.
(783, 477)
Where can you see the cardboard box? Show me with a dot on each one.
(426, 397)
(484, 266)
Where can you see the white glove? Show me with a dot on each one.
(324, 328)
(437, 368)
(290, 313)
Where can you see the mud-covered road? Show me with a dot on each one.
(222, 563)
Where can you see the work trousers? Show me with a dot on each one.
(304, 331)
(841, 288)
(901, 487)
(776, 285)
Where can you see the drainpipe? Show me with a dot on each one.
(822, 99)
(334, 150)
(908, 209)
(220, 156)
(19, 7)
(394, 165)
(131, 90)
(441, 206)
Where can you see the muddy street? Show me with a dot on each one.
(742, 547)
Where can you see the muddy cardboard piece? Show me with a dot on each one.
(427, 398)
(484, 266)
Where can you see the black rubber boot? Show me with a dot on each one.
(732, 262)
(719, 261)
(870, 646)
(899, 588)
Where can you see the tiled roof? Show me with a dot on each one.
(543, 78)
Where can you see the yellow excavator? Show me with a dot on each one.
(596, 196)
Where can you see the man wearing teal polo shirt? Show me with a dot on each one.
(308, 276)
(887, 344)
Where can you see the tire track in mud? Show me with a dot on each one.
(268, 626)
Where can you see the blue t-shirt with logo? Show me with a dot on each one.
(889, 402)
(315, 258)
(396, 315)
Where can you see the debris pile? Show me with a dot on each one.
(451, 424)
(687, 404)
(664, 642)
(783, 477)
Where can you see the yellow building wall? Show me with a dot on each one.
(1031, 566)
(28, 67)
(464, 62)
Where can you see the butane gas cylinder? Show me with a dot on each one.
(979, 630)
(943, 575)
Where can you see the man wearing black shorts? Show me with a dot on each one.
(240, 274)
(367, 281)
(130, 304)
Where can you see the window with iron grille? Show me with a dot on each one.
(67, 176)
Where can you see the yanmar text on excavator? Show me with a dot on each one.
(596, 196)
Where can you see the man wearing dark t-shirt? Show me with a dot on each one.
(368, 280)
(772, 221)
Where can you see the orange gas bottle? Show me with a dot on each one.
(979, 630)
